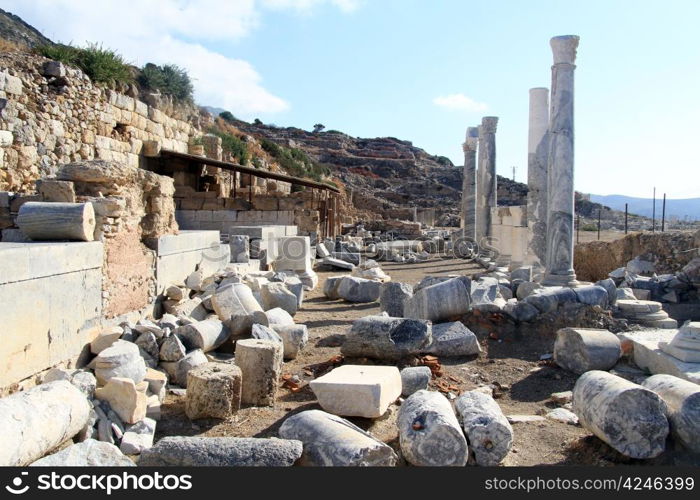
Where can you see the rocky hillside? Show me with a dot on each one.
(392, 172)
(16, 31)
(388, 169)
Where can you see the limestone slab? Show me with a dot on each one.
(358, 391)
(647, 354)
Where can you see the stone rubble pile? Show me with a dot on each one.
(627, 409)
(115, 400)
(639, 280)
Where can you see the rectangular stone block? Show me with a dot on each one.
(293, 253)
(27, 261)
(358, 391)
(179, 255)
(265, 203)
(55, 293)
(647, 354)
(224, 216)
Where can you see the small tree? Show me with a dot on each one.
(169, 79)
(318, 128)
(227, 116)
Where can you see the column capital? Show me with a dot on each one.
(469, 144)
(488, 124)
(471, 140)
(564, 48)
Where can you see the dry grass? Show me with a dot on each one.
(8, 46)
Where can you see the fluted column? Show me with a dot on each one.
(560, 166)
(486, 176)
(469, 183)
(537, 153)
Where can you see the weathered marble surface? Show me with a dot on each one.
(627, 416)
(537, 153)
(469, 183)
(487, 428)
(188, 451)
(560, 166)
(486, 176)
(583, 349)
(330, 440)
(37, 420)
(682, 400)
(429, 433)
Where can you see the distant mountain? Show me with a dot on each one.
(689, 207)
(214, 111)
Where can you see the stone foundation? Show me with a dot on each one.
(53, 297)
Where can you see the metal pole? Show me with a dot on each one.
(578, 226)
(653, 214)
(599, 224)
(625, 218)
(663, 215)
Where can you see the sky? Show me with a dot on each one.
(425, 70)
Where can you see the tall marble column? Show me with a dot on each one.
(486, 177)
(469, 184)
(537, 153)
(559, 269)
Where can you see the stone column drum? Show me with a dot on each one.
(537, 153)
(560, 167)
(469, 183)
(486, 189)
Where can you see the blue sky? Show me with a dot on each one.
(425, 70)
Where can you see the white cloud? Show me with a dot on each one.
(346, 6)
(460, 102)
(174, 31)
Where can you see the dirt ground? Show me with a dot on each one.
(524, 384)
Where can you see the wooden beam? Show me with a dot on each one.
(232, 167)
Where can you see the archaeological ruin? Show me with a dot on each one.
(169, 301)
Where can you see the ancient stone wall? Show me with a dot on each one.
(51, 114)
(133, 209)
(669, 251)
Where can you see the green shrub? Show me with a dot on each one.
(103, 66)
(589, 227)
(295, 161)
(257, 163)
(227, 116)
(168, 79)
(232, 144)
(59, 52)
(443, 160)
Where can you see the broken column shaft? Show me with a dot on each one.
(537, 153)
(486, 189)
(469, 184)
